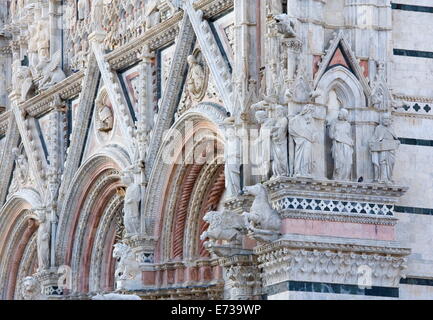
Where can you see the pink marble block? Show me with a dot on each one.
(337, 229)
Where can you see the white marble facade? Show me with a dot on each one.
(250, 149)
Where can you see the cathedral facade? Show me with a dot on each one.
(210, 149)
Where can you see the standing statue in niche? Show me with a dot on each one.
(131, 211)
(31, 289)
(263, 155)
(83, 9)
(342, 146)
(232, 159)
(383, 147)
(97, 15)
(43, 241)
(280, 164)
(302, 134)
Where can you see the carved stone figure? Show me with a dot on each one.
(22, 167)
(262, 222)
(131, 205)
(31, 289)
(285, 25)
(43, 240)
(383, 146)
(302, 134)
(52, 72)
(196, 80)
(97, 15)
(152, 13)
(105, 117)
(127, 273)
(232, 159)
(223, 225)
(263, 154)
(342, 146)
(22, 80)
(83, 9)
(280, 164)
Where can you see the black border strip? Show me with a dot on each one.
(41, 136)
(413, 53)
(416, 142)
(417, 282)
(332, 288)
(413, 210)
(408, 7)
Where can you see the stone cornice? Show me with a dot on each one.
(157, 37)
(345, 245)
(67, 89)
(212, 8)
(336, 189)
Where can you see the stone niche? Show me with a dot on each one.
(332, 232)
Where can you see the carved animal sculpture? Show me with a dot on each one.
(128, 267)
(223, 225)
(285, 25)
(262, 217)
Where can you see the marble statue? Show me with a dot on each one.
(302, 134)
(232, 159)
(285, 25)
(263, 154)
(342, 146)
(196, 79)
(22, 80)
(97, 15)
(131, 205)
(223, 225)
(31, 289)
(52, 72)
(262, 221)
(43, 241)
(152, 14)
(127, 269)
(22, 166)
(383, 146)
(280, 164)
(105, 117)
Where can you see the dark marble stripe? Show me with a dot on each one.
(413, 53)
(413, 210)
(332, 288)
(416, 142)
(409, 7)
(417, 281)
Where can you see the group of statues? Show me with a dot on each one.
(284, 146)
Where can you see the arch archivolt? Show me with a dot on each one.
(29, 264)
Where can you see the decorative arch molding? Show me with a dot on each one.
(111, 157)
(346, 85)
(87, 218)
(165, 177)
(17, 227)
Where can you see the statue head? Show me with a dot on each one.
(386, 119)
(343, 114)
(191, 60)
